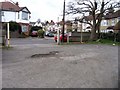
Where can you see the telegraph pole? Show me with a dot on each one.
(63, 22)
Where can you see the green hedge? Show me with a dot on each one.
(111, 36)
(13, 26)
(41, 33)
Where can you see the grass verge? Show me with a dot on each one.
(99, 41)
(104, 41)
(6, 47)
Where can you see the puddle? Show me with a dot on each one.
(50, 54)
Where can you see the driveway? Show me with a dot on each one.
(48, 65)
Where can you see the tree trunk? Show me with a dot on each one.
(93, 35)
(98, 27)
(93, 32)
(99, 24)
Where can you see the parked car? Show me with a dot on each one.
(46, 33)
(50, 35)
(34, 30)
(34, 34)
(65, 38)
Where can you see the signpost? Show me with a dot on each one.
(58, 36)
(8, 34)
(68, 34)
(81, 36)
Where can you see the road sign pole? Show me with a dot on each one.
(8, 34)
(58, 36)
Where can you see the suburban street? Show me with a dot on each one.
(41, 63)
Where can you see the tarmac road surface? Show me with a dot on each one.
(48, 65)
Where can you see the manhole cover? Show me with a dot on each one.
(52, 53)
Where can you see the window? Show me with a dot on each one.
(24, 15)
(18, 15)
(2, 13)
(104, 23)
(24, 28)
(113, 22)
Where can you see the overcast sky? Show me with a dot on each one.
(43, 9)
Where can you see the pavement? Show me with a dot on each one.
(71, 66)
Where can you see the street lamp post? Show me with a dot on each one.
(63, 22)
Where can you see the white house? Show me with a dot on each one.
(11, 11)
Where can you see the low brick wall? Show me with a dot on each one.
(14, 34)
(17, 35)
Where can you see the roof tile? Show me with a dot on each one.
(8, 6)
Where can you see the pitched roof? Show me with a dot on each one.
(9, 6)
(90, 17)
(66, 22)
(113, 15)
(21, 8)
(109, 16)
(52, 22)
(117, 26)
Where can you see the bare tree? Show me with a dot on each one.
(95, 8)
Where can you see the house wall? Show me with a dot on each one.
(14, 16)
(8, 16)
(68, 27)
(84, 27)
(112, 22)
(106, 23)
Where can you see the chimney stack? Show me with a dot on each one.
(17, 3)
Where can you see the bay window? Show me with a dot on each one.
(24, 15)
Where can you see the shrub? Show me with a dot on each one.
(13, 26)
(41, 33)
(35, 28)
(118, 37)
(69, 30)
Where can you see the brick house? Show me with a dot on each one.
(68, 26)
(11, 11)
(109, 22)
